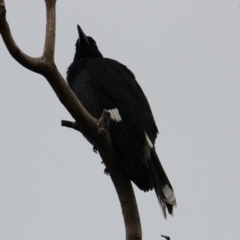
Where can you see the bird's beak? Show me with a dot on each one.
(82, 36)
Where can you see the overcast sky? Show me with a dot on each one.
(186, 56)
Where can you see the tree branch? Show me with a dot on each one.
(49, 47)
(95, 130)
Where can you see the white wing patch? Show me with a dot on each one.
(169, 194)
(148, 140)
(147, 147)
(115, 115)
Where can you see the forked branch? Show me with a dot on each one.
(96, 130)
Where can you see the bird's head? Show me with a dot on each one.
(86, 47)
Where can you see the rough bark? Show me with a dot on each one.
(94, 129)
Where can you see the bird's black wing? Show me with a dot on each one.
(106, 84)
(115, 89)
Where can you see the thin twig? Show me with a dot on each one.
(168, 238)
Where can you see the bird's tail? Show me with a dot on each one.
(162, 186)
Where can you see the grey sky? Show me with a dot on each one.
(186, 57)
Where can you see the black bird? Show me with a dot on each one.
(102, 83)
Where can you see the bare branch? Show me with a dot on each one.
(50, 31)
(96, 130)
(119, 177)
(124, 190)
(68, 124)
